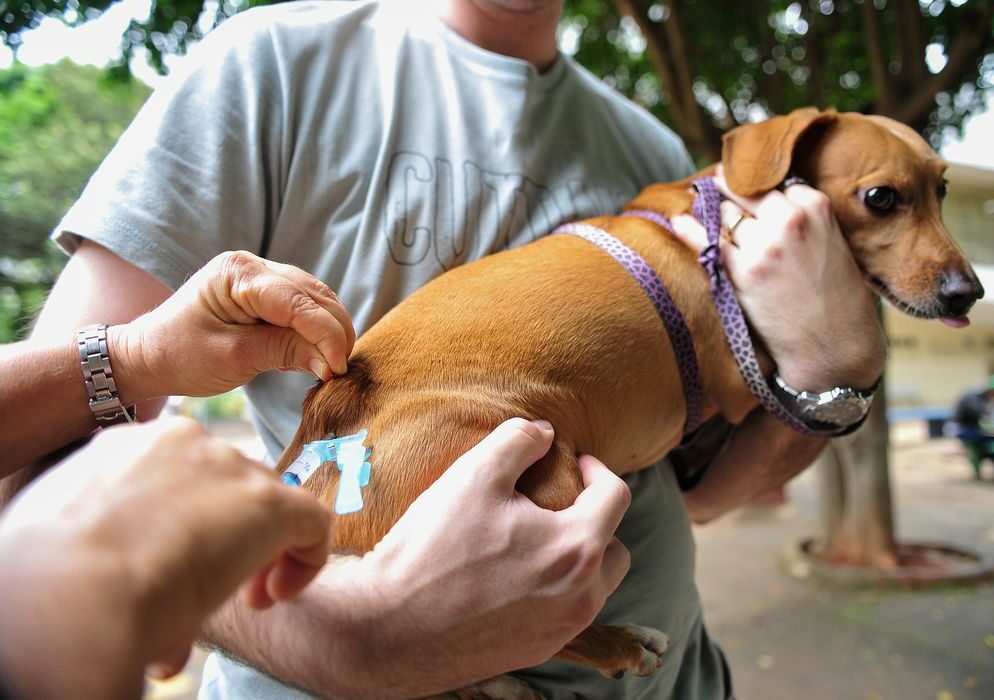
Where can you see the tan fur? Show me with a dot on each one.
(557, 329)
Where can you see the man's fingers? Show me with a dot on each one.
(295, 542)
(322, 294)
(617, 561)
(689, 230)
(504, 455)
(283, 578)
(281, 302)
(293, 571)
(309, 544)
(806, 196)
(170, 663)
(285, 348)
(244, 288)
(605, 496)
(305, 524)
(773, 205)
(254, 592)
(747, 204)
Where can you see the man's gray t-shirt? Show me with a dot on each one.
(370, 145)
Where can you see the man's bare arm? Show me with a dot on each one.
(238, 316)
(44, 400)
(761, 454)
(805, 297)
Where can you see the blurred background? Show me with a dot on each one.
(865, 578)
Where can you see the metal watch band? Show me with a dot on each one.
(94, 359)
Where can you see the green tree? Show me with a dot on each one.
(56, 124)
(704, 67)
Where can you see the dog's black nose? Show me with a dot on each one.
(958, 291)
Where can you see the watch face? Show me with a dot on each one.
(827, 411)
(841, 411)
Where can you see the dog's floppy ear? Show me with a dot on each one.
(756, 157)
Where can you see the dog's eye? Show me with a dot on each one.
(881, 199)
(943, 191)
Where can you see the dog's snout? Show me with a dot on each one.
(958, 292)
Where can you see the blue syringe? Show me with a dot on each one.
(350, 454)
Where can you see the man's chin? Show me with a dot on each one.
(519, 5)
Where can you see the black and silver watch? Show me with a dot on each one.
(837, 411)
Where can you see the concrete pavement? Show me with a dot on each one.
(802, 639)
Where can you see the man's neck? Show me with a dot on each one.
(528, 34)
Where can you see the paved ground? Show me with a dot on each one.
(793, 639)
(789, 639)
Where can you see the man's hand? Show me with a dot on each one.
(113, 559)
(473, 581)
(805, 297)
(799, 287)
(511, 570)
(237, 316)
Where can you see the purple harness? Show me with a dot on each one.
(707, 210)
(676, 327)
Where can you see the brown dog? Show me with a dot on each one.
(522, 333)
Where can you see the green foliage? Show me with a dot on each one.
(56, 124)
(753, 58)
(743, 59)
(228, 406)
(23, 287)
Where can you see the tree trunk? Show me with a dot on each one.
(857, 513)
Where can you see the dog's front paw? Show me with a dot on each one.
(617, 649)
(499, 688)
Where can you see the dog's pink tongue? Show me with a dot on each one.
(958, 322)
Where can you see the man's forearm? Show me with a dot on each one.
(330, 648)
(316, 642)
(761, 454)
(44, 401)
(348, 637)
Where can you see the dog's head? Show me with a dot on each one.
(886, 186)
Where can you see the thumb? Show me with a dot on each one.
(171, 663)
(689, 231)
(284, 348)
(504, 455)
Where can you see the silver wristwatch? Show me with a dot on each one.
(94, 359)
(836, 411)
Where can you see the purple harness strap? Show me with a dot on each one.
(676, 327)
(707, 209)
(653, 216)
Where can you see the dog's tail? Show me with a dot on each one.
(333, 407)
